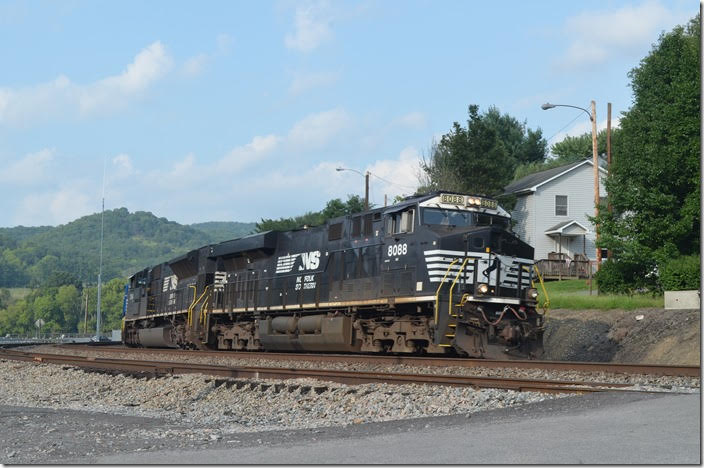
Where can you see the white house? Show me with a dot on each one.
(552, 208)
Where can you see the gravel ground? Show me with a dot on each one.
(652, 336)
(240, 405)
(194, 410)
(665, 383)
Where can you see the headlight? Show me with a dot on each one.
(532, 293)
(482, 288)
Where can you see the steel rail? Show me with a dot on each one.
(613, 368)
(347, 377)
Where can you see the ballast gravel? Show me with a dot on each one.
(54, 412)
(241, 405)
(194, 410)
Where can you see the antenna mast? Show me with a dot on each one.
(100, 269)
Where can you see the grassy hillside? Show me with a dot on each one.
(132, 241)
(224, 230)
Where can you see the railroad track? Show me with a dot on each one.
(647, 369)
(142, 367)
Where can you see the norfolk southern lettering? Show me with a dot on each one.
(435, 274)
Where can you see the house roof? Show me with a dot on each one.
(562, 229)
(531, 182)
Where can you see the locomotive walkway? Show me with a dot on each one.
(150, 367)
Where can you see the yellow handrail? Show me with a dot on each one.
(193, 303)
(454, 282)
(437, 293)
(202, 308)
(205, 291)
(546, 304)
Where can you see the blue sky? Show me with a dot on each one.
(234, 111)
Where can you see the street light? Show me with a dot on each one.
(366, 184)
(595, 154)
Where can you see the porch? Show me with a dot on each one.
(561, 265)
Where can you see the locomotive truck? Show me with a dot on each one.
(440, 273)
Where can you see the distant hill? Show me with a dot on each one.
(132, 241)
(224, 230)
(20, 233)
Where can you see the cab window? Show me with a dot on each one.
(400, 222)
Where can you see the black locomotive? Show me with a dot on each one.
(437, 273)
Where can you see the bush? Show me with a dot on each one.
(624, 277)
(610, 279)
(681, 273)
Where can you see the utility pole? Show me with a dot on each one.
(384, 200)
(366, 191)
(597, 199)
(608, 161)
(596, 183)
(366, 183)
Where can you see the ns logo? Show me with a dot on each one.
(309, 261)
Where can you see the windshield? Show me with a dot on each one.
(444, 217)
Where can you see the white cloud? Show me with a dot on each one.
(61, 97)
(313, 131)
(148, 66)
(56, 207)
(395, 176)
(316, 130)
(391, 177)
(248, 154)
(122, 167)
(412, 120)
(29, 170)
(224, 42)
(271, 165)
(303, 82)
(194, 65)
(596, 36)
(311, 26)
(182, 172)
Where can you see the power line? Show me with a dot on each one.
(568, 124)
(393, 183)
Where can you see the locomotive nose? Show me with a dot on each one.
(489, 237)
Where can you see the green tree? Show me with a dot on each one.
(569, 150)
(5, 297)
(522, 144)
(573, 149)
(481, 157)
(333, 209)
(654, 183)
(68, 300)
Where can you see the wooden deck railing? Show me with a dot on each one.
(565, 268)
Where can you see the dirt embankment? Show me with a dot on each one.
(648, 336)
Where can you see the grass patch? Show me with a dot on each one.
(574, 294)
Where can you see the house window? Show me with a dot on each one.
(560, 205)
